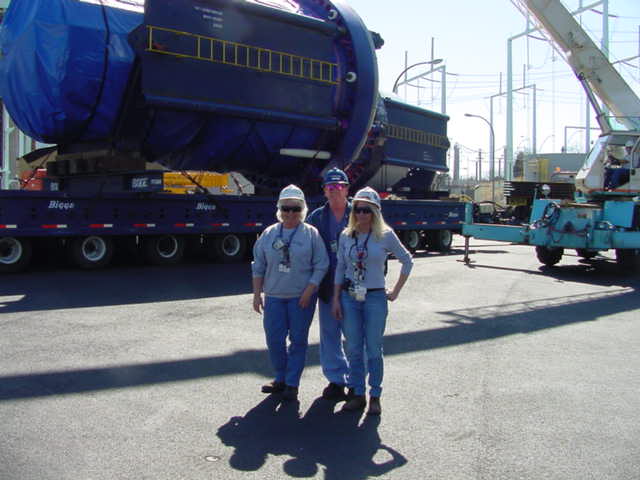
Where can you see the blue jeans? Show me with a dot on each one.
(332, 358)
(363, 326)
(614, 177)
(282, 317)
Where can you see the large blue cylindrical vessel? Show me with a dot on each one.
(275, 89)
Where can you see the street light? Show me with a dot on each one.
(430, 62)
(492, 141)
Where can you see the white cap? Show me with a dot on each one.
(369, 195)
(291, 192)
(630, 143)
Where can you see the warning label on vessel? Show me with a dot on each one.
(212, 16)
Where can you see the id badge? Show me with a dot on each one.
(334, 246)
(278, 244)
(359, 293)
(284, 268)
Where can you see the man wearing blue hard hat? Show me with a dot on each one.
(330, 220)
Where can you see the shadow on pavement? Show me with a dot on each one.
(336, 442)
(454, 252)
(461, 327)
(601, 272)
(66, 289)
(122, 286)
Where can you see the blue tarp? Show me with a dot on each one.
(64, 67)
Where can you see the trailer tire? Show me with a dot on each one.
(439, 240)
(628, 260)
(411, 239)
(549, 256)
(15, 254)
(229, 247)
(586, 253)
(163, 249)
(91, 252)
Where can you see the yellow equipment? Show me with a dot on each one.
(190, 181)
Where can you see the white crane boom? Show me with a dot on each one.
(591, 66)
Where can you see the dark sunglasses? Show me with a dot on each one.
(287, 208)
(362, 210)
(335, 186)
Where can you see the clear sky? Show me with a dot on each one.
(471, 36)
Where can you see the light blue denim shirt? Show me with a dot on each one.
(376, 254)
(308, 260)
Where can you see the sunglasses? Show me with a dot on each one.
(287, 208)
(362, 210)
(335, 186)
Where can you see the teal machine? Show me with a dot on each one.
(605, 213)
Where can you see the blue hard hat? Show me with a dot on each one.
(335, 175)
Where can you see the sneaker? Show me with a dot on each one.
(333, 391)
(290, 393)
(273, 387)
(374, 406)
(358, 402)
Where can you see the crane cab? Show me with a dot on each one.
(612, 168)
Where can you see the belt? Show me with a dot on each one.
(345, 287)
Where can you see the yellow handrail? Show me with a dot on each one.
(221, 51)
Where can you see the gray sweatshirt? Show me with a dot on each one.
(374, 258)
(308, 260)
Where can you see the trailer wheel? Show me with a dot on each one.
(549, 256)
(439, 240)
(15, 254)
(230, 247)
(91, 252)
(164, 249)
(586, 253)
(628, 260)
(411, 239)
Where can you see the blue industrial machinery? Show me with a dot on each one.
(274, 90)
(278, 90)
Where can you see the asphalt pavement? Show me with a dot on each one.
(502, 369)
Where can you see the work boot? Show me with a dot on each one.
(333, 391)
(374, 406)
(358, 402)
(273, 387)
(290, 393)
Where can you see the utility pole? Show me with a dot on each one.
(456, 163)
(479, 167)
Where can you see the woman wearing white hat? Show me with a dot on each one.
(289, 263)
(360, 297)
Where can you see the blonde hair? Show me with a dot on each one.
(303, 213)
(378, 225)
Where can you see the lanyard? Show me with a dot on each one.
(285, 245)
(361, 254)
(361, 251)
(280, 231)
